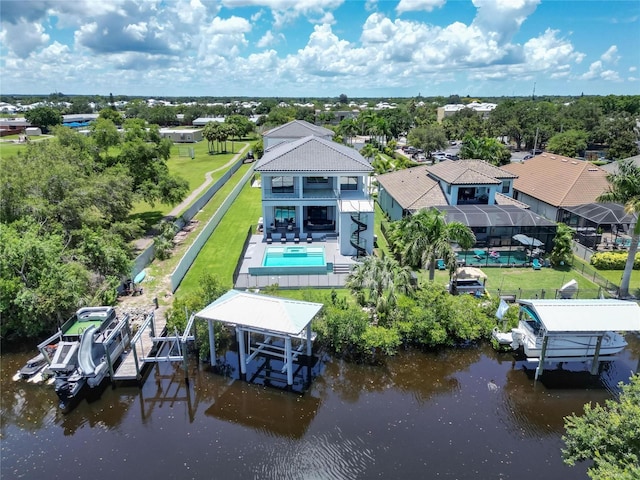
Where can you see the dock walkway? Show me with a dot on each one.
(127, 369)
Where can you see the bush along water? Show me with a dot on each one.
(429, 318)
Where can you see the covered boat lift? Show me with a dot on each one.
(592, 317)
(260, 321)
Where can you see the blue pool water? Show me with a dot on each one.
(294, 256)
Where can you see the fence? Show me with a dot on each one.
(190, 255)
(236, 271)
(517, 294)
(147, 255)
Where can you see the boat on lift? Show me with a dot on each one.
(561, 330)
(89, 345)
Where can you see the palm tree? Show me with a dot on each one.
(425, 237)
(624, 188)
(211, 132)
(378, 282)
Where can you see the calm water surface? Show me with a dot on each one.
(464, 413)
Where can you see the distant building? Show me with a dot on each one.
(483, 109)
(190, 135)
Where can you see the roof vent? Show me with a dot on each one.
(564, 160)
(574, 163)
(594, 169)
(553, 158)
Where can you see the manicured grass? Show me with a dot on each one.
(614, 276)
(526, 280)
(221, 253)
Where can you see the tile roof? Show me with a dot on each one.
(412, 188)
(465, 172)
(313, 154)
(558, 180)
(298, 129)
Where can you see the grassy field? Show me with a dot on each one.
(221, 253)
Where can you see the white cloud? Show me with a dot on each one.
(269, 39)
(633, 69)
(223, 38)
(502, 18)
(23, 37)
(611, 55)
(548, 52)
(419, 5)
(286, 11)
(597, 71)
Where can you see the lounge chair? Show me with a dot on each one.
(296, 238)
(536, 265)
(283, 238)
(269, 238)
(440, 264)
(309, 237)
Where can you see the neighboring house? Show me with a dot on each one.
(472, 192)
(549, 182)
(613, 166)
(293, 131)
(315, 186)
(184, 135)
(462, 182)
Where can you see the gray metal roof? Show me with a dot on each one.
(298, 129)
(594, 315)
(261, 312)
(313, 154)
(494, 216)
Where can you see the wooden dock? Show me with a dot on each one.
(130, 368)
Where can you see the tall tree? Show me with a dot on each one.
(425, 237)
(607, 435)
(625, 189)
(429, 138)
(568, 143)
(44, 117)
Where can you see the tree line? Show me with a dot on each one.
(65, 219)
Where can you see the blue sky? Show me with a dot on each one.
(313, 48)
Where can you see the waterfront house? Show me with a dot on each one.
(315, 188)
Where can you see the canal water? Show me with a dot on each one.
(465, 413)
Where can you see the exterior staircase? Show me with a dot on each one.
(356, 241)
(342, 268)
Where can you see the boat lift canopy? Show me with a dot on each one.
(586, 316)
(273, 317)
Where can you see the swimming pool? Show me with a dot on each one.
(293, 260)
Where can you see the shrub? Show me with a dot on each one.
(613, 260)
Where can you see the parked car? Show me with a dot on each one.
(419, 157)
(535, 151)
(452, 156)
(527, 157)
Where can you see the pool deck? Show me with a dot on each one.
(255, 252)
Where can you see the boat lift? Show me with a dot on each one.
(149, 346)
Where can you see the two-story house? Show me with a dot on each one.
(314, 187)
(472, 192)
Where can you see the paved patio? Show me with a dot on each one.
(255, 253)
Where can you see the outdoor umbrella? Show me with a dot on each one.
(528, 241)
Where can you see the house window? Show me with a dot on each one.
(284, 215)
(282, 184)
(349, 183)
(505, 187)
(317, 180)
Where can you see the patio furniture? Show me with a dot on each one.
(296, 238)
(269, 238)
(283, 238)
(536, 265)
(440, 264)
(309, 237)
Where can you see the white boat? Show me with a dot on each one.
(562, 330)
(90, 344)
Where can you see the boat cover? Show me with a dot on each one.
(592, 315)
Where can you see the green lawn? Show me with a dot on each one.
(221, 253)
(527, 282)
